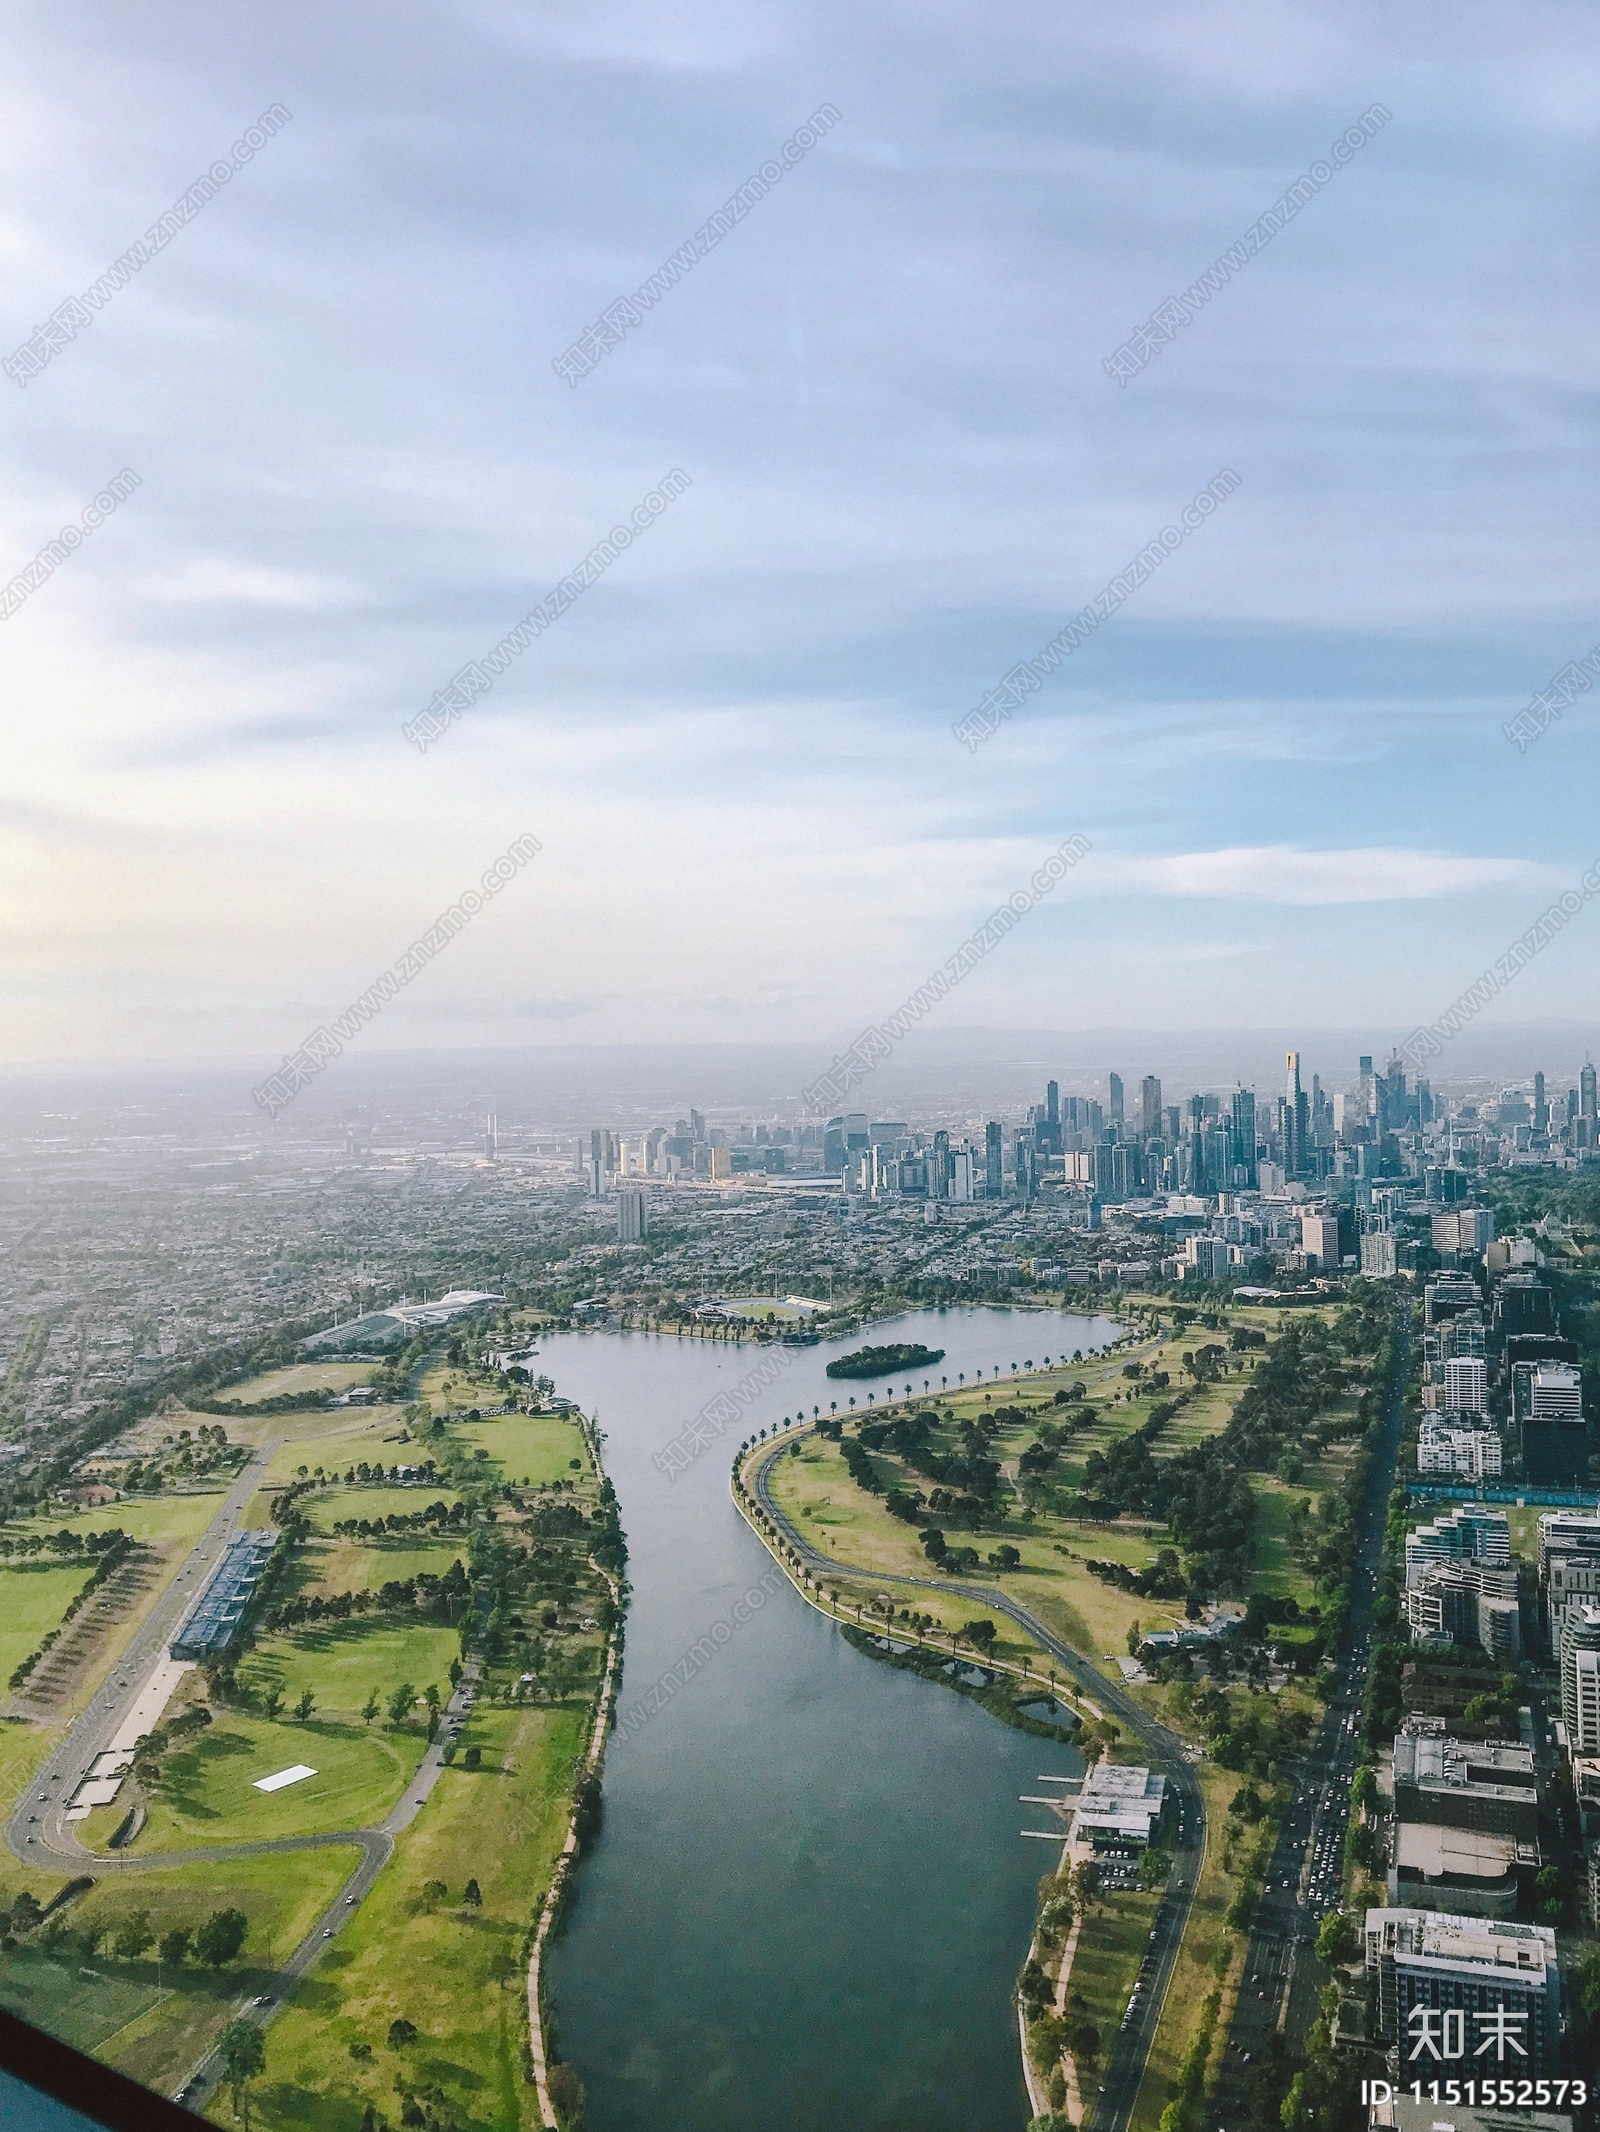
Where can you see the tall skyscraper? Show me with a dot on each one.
(993, 1172)
(1243, 1125)
(1541, 1108)
(1296, 1120)
(1114, 1098)
(940, 1171)
(1150, 1106)
(1367, 1107)
(633, 1215)
(491, 1136)
(1026, 1159)
(1586, 1101)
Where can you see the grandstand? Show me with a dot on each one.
(214, 1621)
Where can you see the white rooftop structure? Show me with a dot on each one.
(1119, 1804)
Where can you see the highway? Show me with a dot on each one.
(1111, 2108)
(1279, 1992)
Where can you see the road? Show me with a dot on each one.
(1281, 1983)
(40, 1837)
(36, 1831)
(1111, 2108)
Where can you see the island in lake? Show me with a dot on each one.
(885, 1361)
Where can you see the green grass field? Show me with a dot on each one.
(341, 1662)
(298, 1379)
(207, 1790)
(456, 1972)
(155, 2022)
(526, 1447)
(362, 1565)
(32, 1602)
(1105, 1968)
(167, 1519)
(330, 1507)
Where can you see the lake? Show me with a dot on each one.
(810, 1898)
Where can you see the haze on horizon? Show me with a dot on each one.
(358, 468)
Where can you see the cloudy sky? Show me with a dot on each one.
(358, 466)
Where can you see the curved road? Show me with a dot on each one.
(41, 1838)
(1113, 2106)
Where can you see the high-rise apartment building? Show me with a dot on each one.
(633, 1215)
(1480, 1990)
(1466, 1384)
(1580, 1680)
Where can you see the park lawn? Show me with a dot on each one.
(206, 1794)
(174, 1517)
(33, 1599)
(331, 1506)
(457, 1973)
(1105, 1967)
(341, 1662)
(154, 2022)
(365, 1565)
(531, 1448)
(296, 1380)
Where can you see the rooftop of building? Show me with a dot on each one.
(1459, 1853)
(1460, 1763)
(1446, 1937)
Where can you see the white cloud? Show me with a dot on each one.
(1287, 873)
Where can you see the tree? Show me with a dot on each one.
(174, 1947)
(474, 1758)
(133, 1936)
(25, 1913)
(304, 1707)
(369, 1708)
(272, 1702)
(1338, 1941)
(400, 1703)
(980, 1634)
(1085, 1882)
(434, 1891)
(221, 1936)
(244, 2054)
(401, 2032)
(473, 1894)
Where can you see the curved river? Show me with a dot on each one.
(810, 1898)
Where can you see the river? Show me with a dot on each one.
(810, 1898)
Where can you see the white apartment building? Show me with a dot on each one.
(1466, 1384)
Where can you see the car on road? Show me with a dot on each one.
(328, 1935)
(263, 1999)
(350, 1901)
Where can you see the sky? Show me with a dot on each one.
(907, 466)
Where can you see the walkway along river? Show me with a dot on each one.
(809, 1900)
